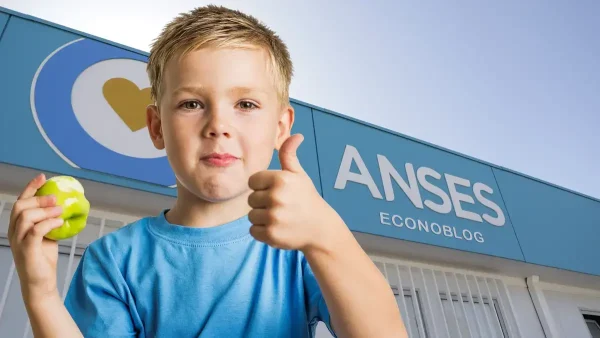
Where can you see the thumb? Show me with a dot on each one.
(287, 154)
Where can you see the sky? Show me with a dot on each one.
(513, 83)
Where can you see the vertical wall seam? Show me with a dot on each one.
(541, 307)
(508, 214)
(3, 28)
(312, 115)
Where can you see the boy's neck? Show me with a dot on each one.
(189, 210)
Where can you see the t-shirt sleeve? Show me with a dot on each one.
(97, 296)
(317, 308)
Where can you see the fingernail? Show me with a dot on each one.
(57, 209)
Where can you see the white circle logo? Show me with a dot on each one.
(109, 100)
(89, 102)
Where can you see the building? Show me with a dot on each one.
(470, 249)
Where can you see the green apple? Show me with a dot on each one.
(75, 207)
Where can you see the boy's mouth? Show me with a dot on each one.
(219, 159)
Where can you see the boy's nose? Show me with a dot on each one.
(217, 126)
(218, 133)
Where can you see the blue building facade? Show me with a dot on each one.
(74, 104)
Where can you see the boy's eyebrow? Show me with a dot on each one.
(235, 91)
(189, 89)
(240, 90)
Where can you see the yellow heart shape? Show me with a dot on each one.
(128, 101)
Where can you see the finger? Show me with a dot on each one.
(30, 217)
(262, 180)
(259, 216)
(261, 199)
(33, 186)
(259, 232)
(31, 203)
(288, 154)
(38, 231)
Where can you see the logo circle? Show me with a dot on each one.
(81, 126)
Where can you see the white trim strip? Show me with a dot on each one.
(9, 279)
(11, 272)
(462, 303)
(435, 331)
(102, 224)
(439, 297)
(27, 328)
(401, 291)
(512, 309)
(415, 299)
(503, 309)
(541, 306)
(69, 268)
(492, 305)
(472, 302)
(449, 296)
(485, 313)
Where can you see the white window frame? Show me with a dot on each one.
(596, 314)
(451, 278)
(417, 308)
(476, 299)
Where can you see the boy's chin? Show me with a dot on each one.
(220, 198)
(212, 189)
(220, 193)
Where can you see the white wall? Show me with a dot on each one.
(566, 306)
(14, 316)
(525, 313)
(565, 303)
(526, 316)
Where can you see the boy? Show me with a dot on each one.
(243, 251)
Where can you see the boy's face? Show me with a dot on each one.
(220, 119)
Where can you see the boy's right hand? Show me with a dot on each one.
(35, 257)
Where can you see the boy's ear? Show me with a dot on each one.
(154, 125)
(284, 126)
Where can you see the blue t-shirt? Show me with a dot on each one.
(152, 278)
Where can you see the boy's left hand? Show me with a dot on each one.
(287, 210)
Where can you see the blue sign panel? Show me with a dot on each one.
(48, 108)
(77, 107)
(82, 98)
(556, 228)
(384, 184)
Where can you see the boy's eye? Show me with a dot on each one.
(191, 105)
(247, 105)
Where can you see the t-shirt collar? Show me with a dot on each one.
(220, 234)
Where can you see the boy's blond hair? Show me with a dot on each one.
(217, 26)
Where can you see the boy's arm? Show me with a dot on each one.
(359, 299)
(289, 213)
(92, 305)
(49, 317)
(35, 258)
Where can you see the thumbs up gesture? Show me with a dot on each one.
(287, 210)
